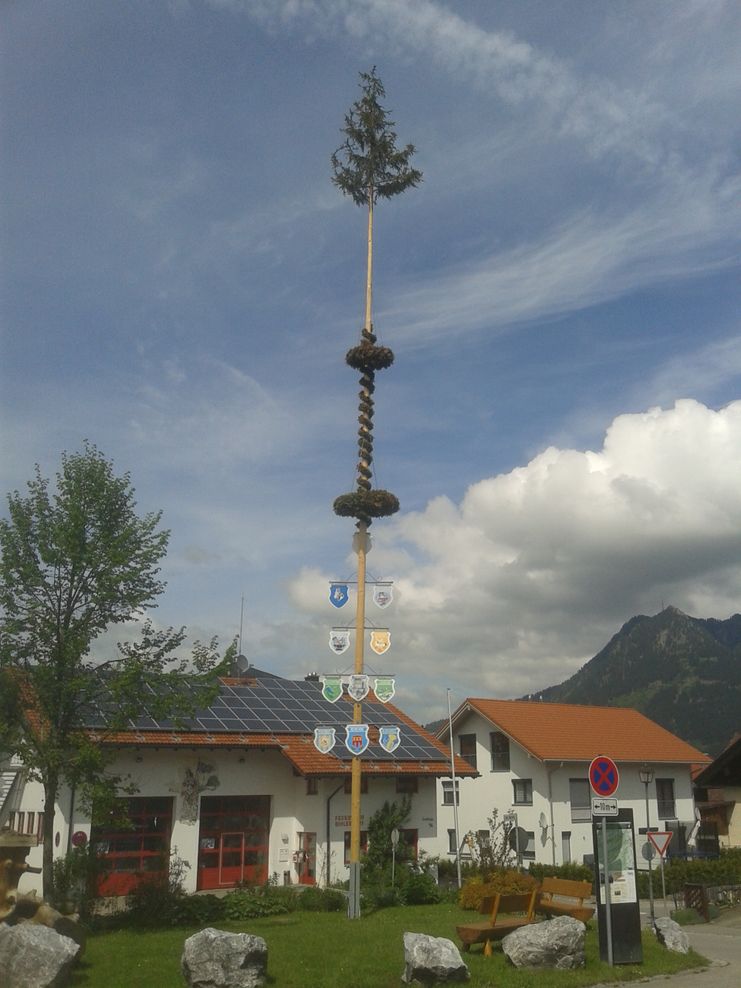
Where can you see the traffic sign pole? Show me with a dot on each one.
(608, 902)
(604, 779)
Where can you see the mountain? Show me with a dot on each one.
(682, 672)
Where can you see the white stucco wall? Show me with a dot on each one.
(550, 784)
(161, 772)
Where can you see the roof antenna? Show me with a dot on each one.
(241, 662)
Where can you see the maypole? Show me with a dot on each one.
(367, 166)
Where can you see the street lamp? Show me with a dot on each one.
(646, 775)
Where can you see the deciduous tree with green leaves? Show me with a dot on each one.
(76, 560)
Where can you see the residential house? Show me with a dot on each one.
(718, 795)
(533, 761)
(240, 792)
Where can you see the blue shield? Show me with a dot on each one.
(338, 594)
(389, 737)
(356, 738)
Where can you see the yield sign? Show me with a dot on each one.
(660, 840)
(603, 775)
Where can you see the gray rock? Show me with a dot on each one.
(556, 943)
(35, 956)
(671, 935)
(217, 959)
(432, 960)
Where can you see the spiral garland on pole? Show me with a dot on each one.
(365, 503)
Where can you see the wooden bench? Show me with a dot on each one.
(507, 913)
(561, 897)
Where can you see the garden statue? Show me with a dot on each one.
(18, 908)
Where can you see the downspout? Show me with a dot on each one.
(329, 845)
(549, 772)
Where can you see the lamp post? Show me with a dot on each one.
(646, 775)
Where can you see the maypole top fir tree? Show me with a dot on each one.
(368, 166)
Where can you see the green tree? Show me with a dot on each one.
(75, 561)
(389, 817)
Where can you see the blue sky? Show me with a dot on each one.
(180, 282)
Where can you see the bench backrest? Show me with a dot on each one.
(567, 887)
(517, 902)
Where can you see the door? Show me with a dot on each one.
(306, 864)
(233, 842)
(231, 859)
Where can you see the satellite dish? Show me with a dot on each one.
(241, 664)
(543, 823)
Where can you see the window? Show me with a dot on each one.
(528, 852)
(363, 784)
(406, 783)
(467, 750)
(665, 799)
(566, 846)
(312, 787)
(523, 790)
(451, 842)
(581, 800)
(363, 844)
(482, 839)
(408, 837)
(499, 752)
(448, 793)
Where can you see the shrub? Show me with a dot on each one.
(573, 872)
(196, 910)
(156, 899)
(251, 903)
(318, 900)
(475, 889)
(420, 889)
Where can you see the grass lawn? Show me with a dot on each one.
(326, 950)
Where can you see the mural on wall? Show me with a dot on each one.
(194, 783)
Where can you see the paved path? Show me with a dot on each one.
(720, 942)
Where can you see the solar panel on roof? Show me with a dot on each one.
(280, 706)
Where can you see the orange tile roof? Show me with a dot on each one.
(572, 732)
(299, 749)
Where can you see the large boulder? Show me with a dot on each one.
(432, 960)
(556, 943)
(671, 935)
(35, 956)
(216, 959)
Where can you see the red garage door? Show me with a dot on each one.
(233, 841)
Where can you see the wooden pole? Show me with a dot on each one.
(369, 268)
(361, 540)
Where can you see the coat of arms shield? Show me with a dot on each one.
(356, 738)
(331, 688)
(324, 739)
(339, 640)
(384, 687)
(382, 594)
(357, 687)
(380, 641)
(389, 737)
(338, 594)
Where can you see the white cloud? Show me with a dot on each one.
(515, 587)
(683, 231)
